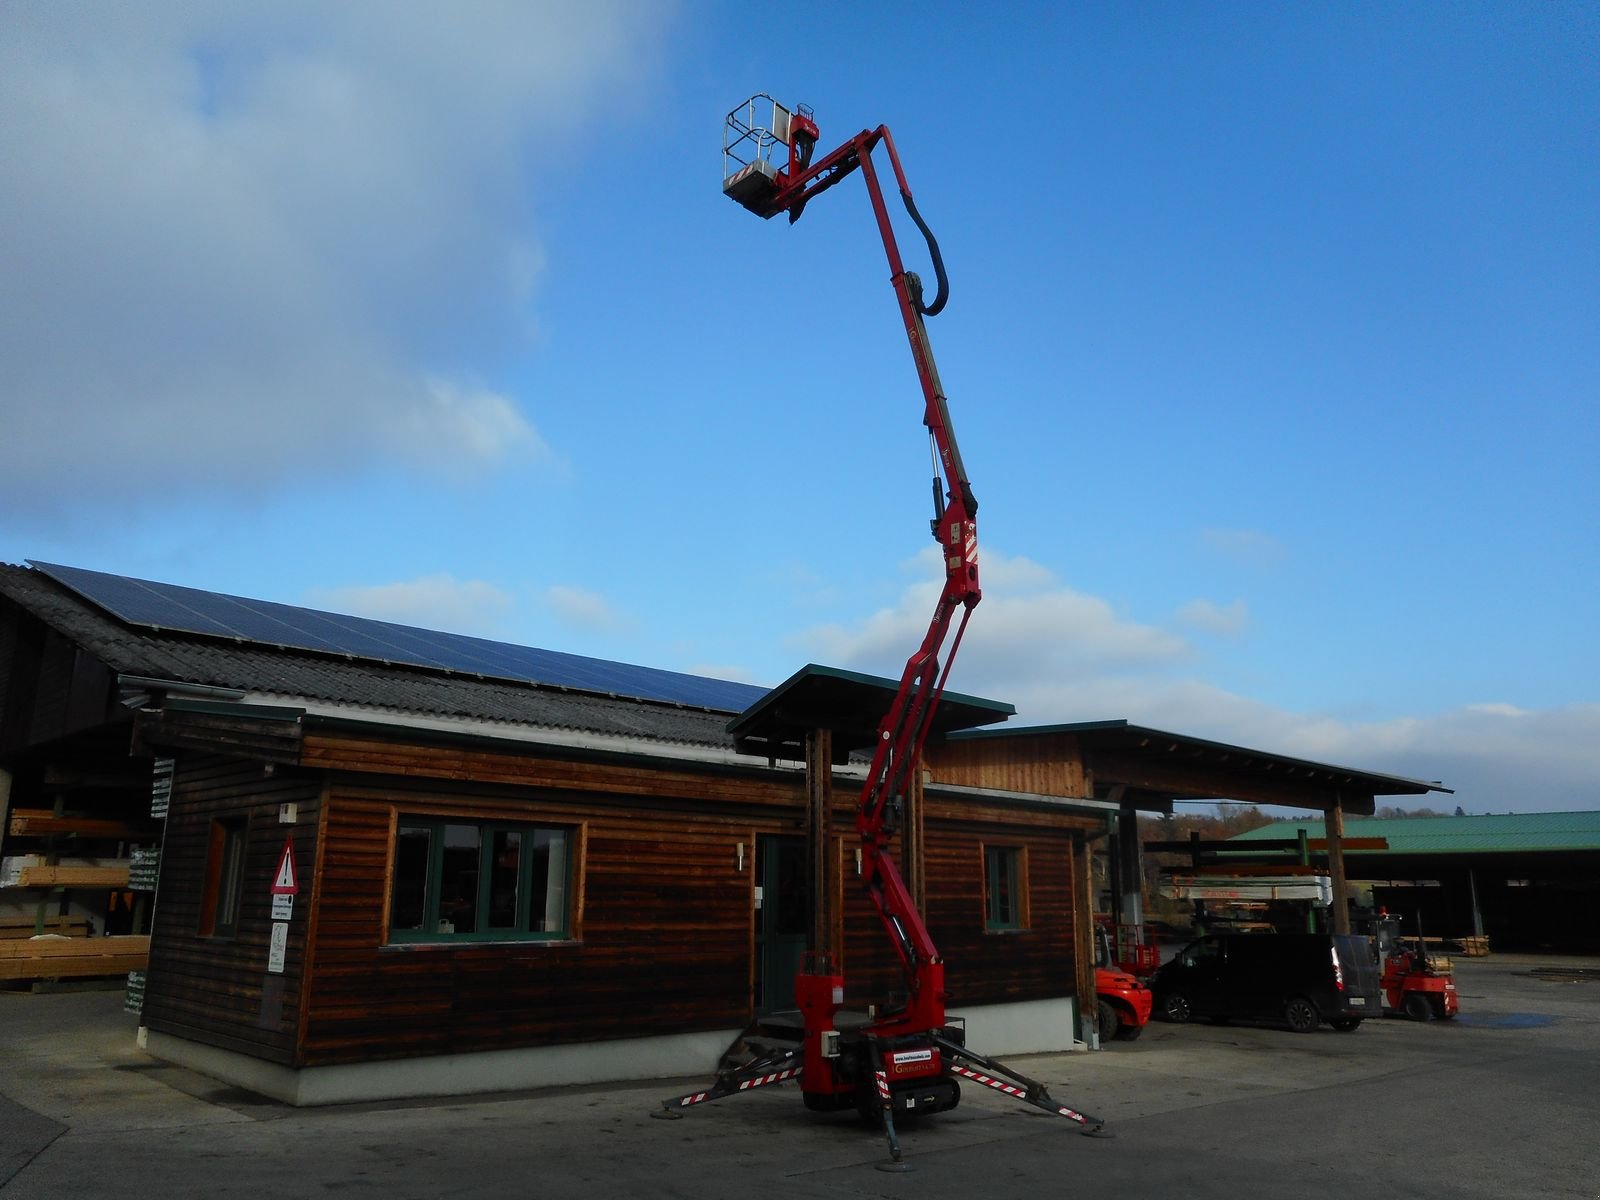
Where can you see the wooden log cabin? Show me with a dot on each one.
(395, 862)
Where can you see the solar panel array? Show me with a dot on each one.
(213, 614)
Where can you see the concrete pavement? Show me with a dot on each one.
(1497, 1103)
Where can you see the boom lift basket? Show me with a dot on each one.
(750, 135)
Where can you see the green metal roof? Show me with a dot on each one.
(1510, 833)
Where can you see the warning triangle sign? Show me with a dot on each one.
(284, 882)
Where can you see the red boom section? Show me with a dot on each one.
(905, 726)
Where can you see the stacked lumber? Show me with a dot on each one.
(26, 927)
(54, 957)
(31, 870)
(41, 822)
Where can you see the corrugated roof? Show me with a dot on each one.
(170, 607)
(241, 665)
(1503, 833)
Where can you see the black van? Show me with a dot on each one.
(1302, 979)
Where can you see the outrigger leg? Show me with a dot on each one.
(1012, 1083)
(880, 1081)
(774, 1066)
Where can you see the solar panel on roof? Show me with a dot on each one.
(214, 614)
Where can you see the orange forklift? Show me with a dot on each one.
(1415, 984)
(1122, 1001)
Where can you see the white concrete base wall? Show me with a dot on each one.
(1028, 1027)
(452, 1074)
(1032, 1027)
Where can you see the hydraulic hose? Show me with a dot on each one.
(943, 294)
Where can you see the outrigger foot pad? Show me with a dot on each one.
(1099, 1131)
(666, 1114)
(897, 1165)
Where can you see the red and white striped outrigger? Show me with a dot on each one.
(771, 1066)
(1009, 1082)
(777, 1065)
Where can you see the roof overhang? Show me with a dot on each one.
(1151, 768)
(849, 704)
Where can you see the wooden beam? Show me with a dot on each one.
(1341, 909)
(1083, 935)
(27, 927)
(1242, 870)
(912, 843)
(1204, 781)
(96, 877)
(40, 822)
(1267, 846)
(56, 958)
(820, 858)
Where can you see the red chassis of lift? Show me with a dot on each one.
(907, 1058)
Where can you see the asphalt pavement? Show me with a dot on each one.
(1499, 1103)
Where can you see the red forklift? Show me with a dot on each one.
(1417, 984)
(905, 1057)
(1123, 1002)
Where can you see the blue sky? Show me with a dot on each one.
(1271, 347)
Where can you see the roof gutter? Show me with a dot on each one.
(142, 691)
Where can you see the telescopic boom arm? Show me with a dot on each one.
(905, 1058)
(766, 189)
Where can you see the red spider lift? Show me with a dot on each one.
(904, 1058)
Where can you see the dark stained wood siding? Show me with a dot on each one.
(1038, 962)
(1047, 764)
(218, 990)
(662, 937)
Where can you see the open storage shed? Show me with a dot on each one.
(1137, 769)
(1522, 881)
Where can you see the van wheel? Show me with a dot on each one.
(1345, 1024)
(1419, 1007)
(1130, 1033)
(1106, 1021)
(1301, 1015)
(1176, 1008)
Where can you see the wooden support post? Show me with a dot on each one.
(1339, 919)
(1305, 861)
(1130, 862)
(911, 840)
(1083, 935)
(5, 805)
(821, 861)
(1477, 913)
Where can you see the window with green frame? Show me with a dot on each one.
(480, 881)
(1003, 883)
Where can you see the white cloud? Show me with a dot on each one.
(441, 601)
(1210, 617)
(1032, 626)
(249, 242)
(584, 610)
(1063, 656)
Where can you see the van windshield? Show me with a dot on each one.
(1206, 950)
